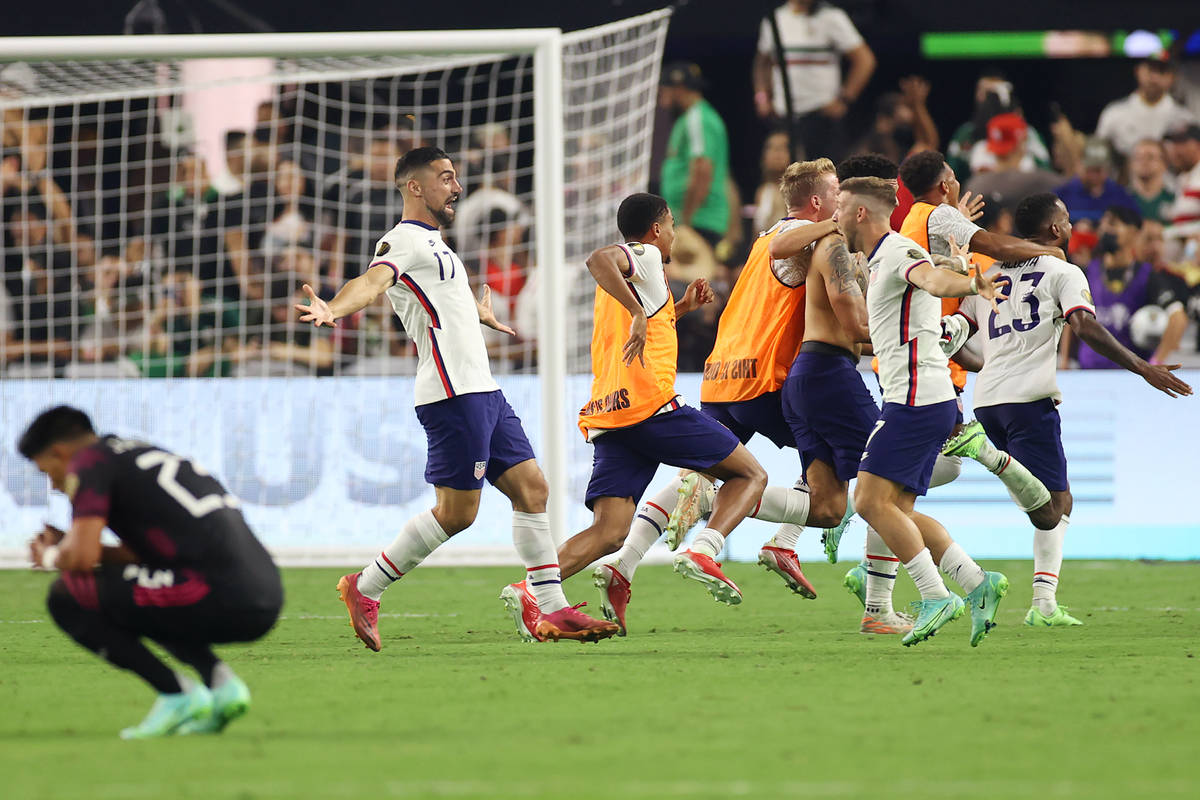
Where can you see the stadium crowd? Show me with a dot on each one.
(145, 260)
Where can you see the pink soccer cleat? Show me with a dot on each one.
(521, 604)
(615, 591)
(364, 612)
(705, 570)
(571, 623)
(785, 564)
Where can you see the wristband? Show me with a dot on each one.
(50, 556)
(974, 286)
(966, 269)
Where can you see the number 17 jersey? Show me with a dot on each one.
(1020, 341)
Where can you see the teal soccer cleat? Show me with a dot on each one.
(230, 700)
(931, 616)
(984, 601)
(856, 582)
(170, 712)
(832, 537)
(968, 442)
(1059, 619)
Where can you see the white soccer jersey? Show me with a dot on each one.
(906, 324)
(1020, 341)
(647, 278)
(433, 298)
(946, 221)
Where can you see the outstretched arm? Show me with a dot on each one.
(944, 283)
(354, 296)
(610, 267)
(843, 287)
(790, 242)
(1088, 328)
(1009, 248)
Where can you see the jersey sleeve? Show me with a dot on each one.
(89, 482)
(645, 260)
(913, 257)
(842, 33)
(1073, 292)
(946, 221)
(395, 252)
(697, 136)
(766, 43)
(972, 309)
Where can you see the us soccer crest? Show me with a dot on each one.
(480, 469)
(915, 254)
(383, 248)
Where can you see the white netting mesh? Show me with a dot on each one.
(160, 217)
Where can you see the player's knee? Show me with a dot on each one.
(533, 495)
(756, 475)
(1046, 517)
(455, 520)
(865, 502)
(825, 514)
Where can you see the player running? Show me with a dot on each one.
(919, 407)
(473, 432)
(188, 572)
(636, 420)
(1016, 394)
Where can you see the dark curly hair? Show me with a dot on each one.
(921, 171)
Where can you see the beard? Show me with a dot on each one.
(444, 215)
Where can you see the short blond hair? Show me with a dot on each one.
(802, 178)
(878, 194)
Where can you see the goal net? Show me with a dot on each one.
(161, 216)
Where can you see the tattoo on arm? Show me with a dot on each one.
(843, 270)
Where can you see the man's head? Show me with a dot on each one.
(868, 165)
(1097, 165)
(930, 178)
(645, 218)
(1119, 228)
(864, 207)
(427, 179)
(1154, 78)
(682, 84)
(1183, 145)
(1043, 218)
(27, 223)
(52, 440)
(1148, 160)
(1006, 137)
(775, 154)
(237, 152)
(1152, 244)
(810, 189)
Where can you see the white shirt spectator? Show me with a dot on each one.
(1185, 215)
(1125, 122)
(813, 45)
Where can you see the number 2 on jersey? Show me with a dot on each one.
(168, 470)
(1021, 325)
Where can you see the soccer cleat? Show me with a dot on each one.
(364, 612)
(521, 604)
(984, 601)
(704, 569)
(968, 441)
(170, 712)
(1059, 619)
(615, 591)
(931, 616)
(785, 564)
(832, 537)
(571, 623)
(695, 501)
(892, 623)
(230, 700)
(856, 582)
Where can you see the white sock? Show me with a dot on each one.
(945, 470)
(419, 537)
(1047, 563)
(220, 674)
(782, 504)
(1028, 492)
(708, 542)
(787, 534)
(647, 528)
(961, 568)
(535, 546)
(881, 565)
(925, 575)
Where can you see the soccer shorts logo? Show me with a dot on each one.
(480, 469)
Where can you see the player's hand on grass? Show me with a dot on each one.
(988, 291)
(1159, 376)
(636, 343)
(487, 316)
(971, 207)
(317, 311)
(49, 536)
(698, 293)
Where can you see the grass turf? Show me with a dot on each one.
(777, 697)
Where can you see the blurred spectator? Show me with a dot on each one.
(696, 169)
(1016, 175)
(993, 96)
(1145, 114)
(1088, 195)
(996, 216)
(503, 269)
(1183, 150)
(489, 160)
(1122, 284)
(1149, 180)
(768, 202)
(290, 215)
(290, 346)
(187, 331)
(902, 123)
(235, 178)
(363, 204)
(814, 36)
(113, 305)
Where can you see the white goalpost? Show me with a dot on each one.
(164, 196)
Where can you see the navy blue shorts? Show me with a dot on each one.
(830, 411)
(906, 442)
(625, 459)
(472, 437)
(1032, 434)
(762, 415)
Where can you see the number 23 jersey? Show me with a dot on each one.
(1020, 341)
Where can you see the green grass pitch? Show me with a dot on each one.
(776, 698)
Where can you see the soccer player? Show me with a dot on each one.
(919, 407)
(757, 339)
(473, 432)
(188, 572)
(635, 419)
(1016, 394)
